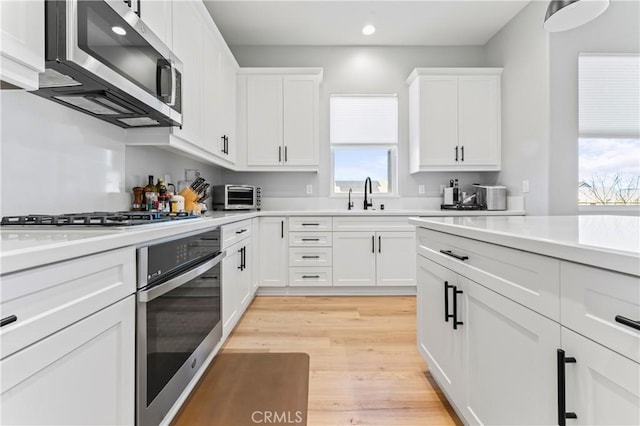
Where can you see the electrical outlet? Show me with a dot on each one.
(309, 189)
(421, 189)
(525, 186)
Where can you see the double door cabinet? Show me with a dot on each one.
(454, 119)
(500, 360)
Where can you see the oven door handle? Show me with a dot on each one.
(155, 292)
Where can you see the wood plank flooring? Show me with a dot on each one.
(364, 365)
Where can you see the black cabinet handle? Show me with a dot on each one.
(311, 276)
(241, 231)
(285, 154)
(240, 251)
(279, 154)
(456, 153)
(8, 320)
(310, 224)
(311, 257)
(379, 244)
(282, 229)
(244, 258)
(457, 256)
(446, 301)
(561, 360)
(462, 150)
(628, 322)
(224, 145)
(373, 244)
(456, 292)
(311, 239)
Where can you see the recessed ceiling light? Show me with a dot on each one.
(119, 30)
(368, 29)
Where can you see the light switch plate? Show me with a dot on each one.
(309, 189)
(525, 186)
(421, 189)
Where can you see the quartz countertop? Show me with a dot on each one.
(28, 247)
(610, 242)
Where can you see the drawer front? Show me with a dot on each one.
(310, 223)
(591, 300)
(529, 279)
(310, 239)
(310, 256)
(372, 224)
(234, 232)
(47, 299)
(310, 277)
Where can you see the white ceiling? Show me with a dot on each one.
(333, 22)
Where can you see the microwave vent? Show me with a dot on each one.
(52, 78)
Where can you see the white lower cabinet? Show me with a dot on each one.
(602, 386)
(236, 284)
(374, 258)
(273, 251)
(81, 375)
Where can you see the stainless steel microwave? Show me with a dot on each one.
(235, 197)
(103, 60)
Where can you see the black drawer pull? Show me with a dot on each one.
(311, 257)
(311, 239)
(241, 231)
(561, 360)
(456, 292)
(457, 256)
(8, 320)
(310, 224)
(628, 322)
(311, 276)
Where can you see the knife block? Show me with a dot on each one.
(190, 198)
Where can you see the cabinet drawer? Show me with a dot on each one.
(524, 277)
(591, 300)
(310, 256)
(309, 223)
(310, 277)
(234, 232)
(312, 239)
(47, 299)
(372, 224)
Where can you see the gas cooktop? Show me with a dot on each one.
(96, 219)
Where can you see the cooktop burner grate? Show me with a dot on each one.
(123, 218)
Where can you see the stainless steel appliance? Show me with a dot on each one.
(178, 318)
(234, 197)
(101, 59)
(492, 197)
(95, 219)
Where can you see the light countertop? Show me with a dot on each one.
(28, 247)
(610, 242)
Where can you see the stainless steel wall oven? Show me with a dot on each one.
(178, 318)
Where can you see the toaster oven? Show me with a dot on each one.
(235, 197)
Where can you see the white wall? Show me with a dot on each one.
(617, 30)
(522, 48)
(357, 70)
(56, 160)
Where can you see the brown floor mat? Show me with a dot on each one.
(248, 389)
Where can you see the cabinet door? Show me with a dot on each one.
(396, 261)
(440, 345)
(83, 374)
(264, 121)
(22, 42)
(300, 132)
(231, 277)
(227, 86)
(187, 45)
(602, 386)
(211, 103)
(255, 254)
(479, 120)
(157, 15)
(354, 259)
(510, 360)
(245, 283)
(273, 251)
(438, 120)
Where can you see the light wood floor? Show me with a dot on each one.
(364, 369)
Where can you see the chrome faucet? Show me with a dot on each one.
(350, 205)
(369, 203)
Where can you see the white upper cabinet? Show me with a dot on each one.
(278, 118)
(157, 15)
(454, 119)
(21, 42)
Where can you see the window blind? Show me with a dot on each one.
(362, 119)
(609, 96)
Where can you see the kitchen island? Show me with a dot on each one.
(532, 320)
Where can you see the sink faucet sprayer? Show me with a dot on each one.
(369, 203)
